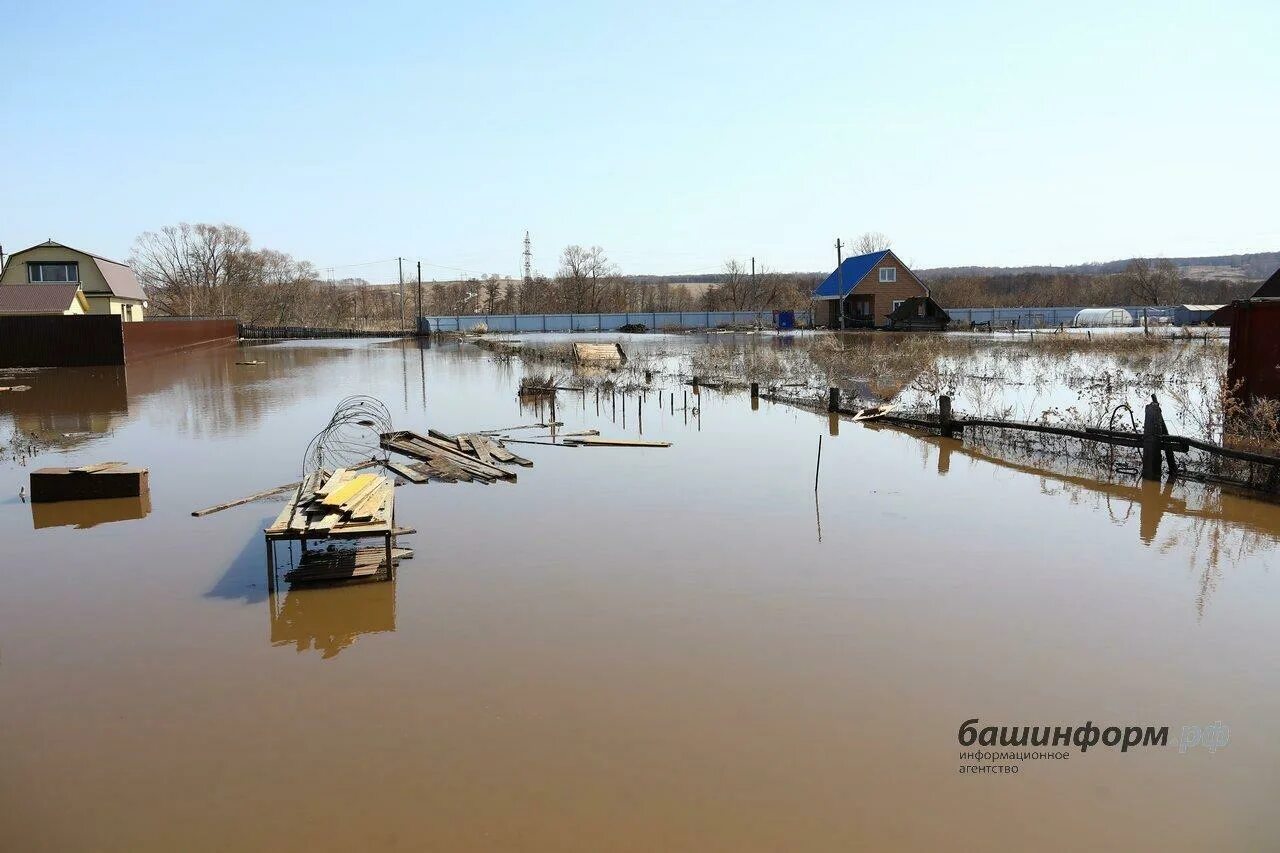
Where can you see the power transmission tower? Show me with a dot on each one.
(528, 259)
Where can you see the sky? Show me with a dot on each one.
(675, 135)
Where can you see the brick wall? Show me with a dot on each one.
(884, 294)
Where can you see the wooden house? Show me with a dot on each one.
(109, 287)
(867, 288)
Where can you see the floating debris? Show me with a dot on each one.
(88, 482)
(448, 458)
(599, 354)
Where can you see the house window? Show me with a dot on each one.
(53, 272)
(888, 273)
(897, 303)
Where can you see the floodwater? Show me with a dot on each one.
(629, 649)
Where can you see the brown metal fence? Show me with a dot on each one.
(155, 337)
(101, 339)
(1254, 351)
(58, 341)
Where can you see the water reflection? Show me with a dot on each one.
(85, 514)
(331, 619)
(1212, 528)
(66, 407)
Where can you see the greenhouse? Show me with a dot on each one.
(1093, 317)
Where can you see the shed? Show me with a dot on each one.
(1194, 315)
(919, 313)
(1095, 317)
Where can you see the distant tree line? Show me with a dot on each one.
(587, 282)
(208, 270)
(214, 270)
(1143, 281)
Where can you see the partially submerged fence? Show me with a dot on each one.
(157, 336)
(606, 322)
(100, 339)
(58, 341)
(275, 333)
(1154, 441)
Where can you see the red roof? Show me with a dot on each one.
(37, 298)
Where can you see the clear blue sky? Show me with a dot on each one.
(673, 134)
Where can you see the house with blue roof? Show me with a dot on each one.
(868, 288)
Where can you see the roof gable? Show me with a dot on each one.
(854, 270)
(851, 271)
(119, 277)
(1270, 287)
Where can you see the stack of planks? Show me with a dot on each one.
(344, 502)
(345, 564)
(451, 458)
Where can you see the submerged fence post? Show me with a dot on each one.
(833, 399)
(755, 390)
(1151, 441)
(945, 427)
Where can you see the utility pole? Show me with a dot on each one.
(753, 278)
(416, 321)
(840, 282)
(400, 262)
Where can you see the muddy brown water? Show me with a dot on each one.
(630, 649)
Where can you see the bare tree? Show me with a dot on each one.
(1148, 282)
(734, 289)
(585, 275)
(870, 241)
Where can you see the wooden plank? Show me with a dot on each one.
(344, 564)
(342, 475)
(96, 467)
(376, 505)
(325, 522)
(359, 497)
(428, 448)
(481, 447)
(266, 493)
(467, 462)
(410, 474)
(281, 523)
(594, 441)
(351, 488)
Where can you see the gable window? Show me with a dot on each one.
(897, 303)
(61, 271)
(888, 273)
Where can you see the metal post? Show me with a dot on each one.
(271, 566)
